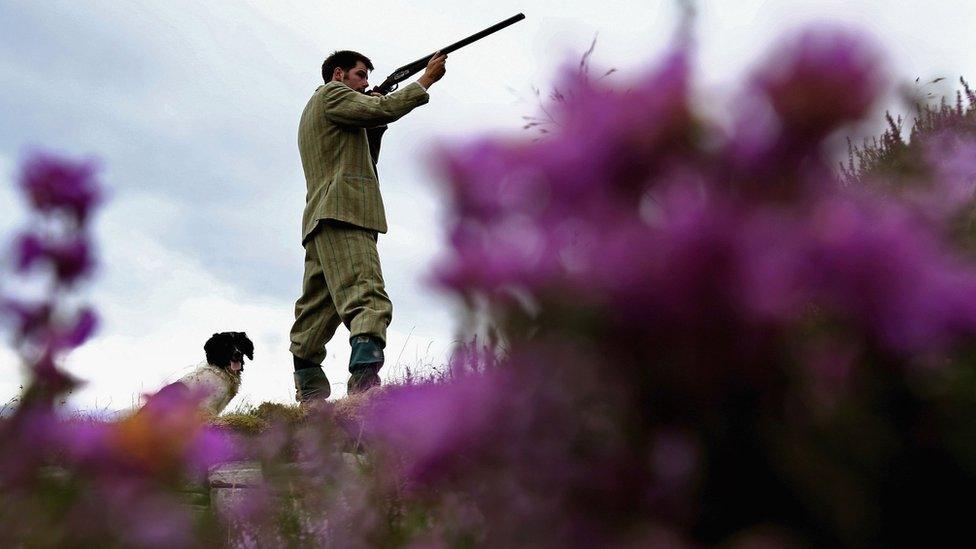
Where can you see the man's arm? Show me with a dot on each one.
(346, 106)
(351, 108)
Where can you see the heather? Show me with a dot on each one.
(692, 332)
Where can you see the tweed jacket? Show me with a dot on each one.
(339, 171)
(216, 385)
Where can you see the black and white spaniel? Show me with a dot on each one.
(219, 378)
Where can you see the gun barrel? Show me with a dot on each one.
(408, 70)
(473, 38)
(479, 35)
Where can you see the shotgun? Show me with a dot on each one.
(411, 69)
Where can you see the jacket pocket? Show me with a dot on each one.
(360, 202)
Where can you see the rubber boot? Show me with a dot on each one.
(364, 364)
(311, 384)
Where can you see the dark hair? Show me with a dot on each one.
(345, 60)
(226, 346)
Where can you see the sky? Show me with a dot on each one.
(192, 109)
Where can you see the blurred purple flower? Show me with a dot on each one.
(63, 194)
(29, 249)
(822, 78)
(49, 376)
(431, 425)
(952, 185)
(753, 148)
(87, 442)
(209, 447)
(136, 513)
(57, 184)
(881, 266)
(28, 439)
(85, 324)
(28, 317)
(700, 290)
(617, 139)
(168, 434)
(70, 258)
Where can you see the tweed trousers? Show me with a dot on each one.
(342, 283)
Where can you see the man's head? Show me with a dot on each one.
(349, 67)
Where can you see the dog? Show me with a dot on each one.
(219, 378)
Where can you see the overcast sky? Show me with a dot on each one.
(193, 109)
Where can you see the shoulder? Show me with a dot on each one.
(334, 88)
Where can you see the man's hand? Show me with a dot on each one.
(435, 70)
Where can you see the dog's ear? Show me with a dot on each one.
(245, 345)
(216, 350)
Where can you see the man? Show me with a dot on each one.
(343, 215)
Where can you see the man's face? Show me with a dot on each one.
(356, 78)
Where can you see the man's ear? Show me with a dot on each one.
(338, 73)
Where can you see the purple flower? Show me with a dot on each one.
(209, 447)
(83, 327)
(168, 434)
(71, 258)
(881, 266)
(431, 425)
(50, 377)
(29, 317)
(57, 184)
(43, 332)
(29, 249)
(27, 438)
(822, 78)
(952, 185)
(619, 139)
(87, 442)
(135, 513)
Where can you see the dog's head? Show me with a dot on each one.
(228, 349)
